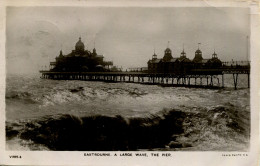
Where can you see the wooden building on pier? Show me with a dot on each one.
(80, 60)
(182, 64)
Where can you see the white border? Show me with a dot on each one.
(178, 158)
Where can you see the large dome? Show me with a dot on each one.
(79, 45)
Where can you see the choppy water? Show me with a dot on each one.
(46, 114)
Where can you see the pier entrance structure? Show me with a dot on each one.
(205, 78)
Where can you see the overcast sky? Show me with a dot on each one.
(125, 35)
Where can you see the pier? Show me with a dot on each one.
(85, 65)
(203, 78)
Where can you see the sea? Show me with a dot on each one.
(54, 115)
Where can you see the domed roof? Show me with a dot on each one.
(79, 45)
(198, 51)
(167, 54)
(168, 50)
(214, 55)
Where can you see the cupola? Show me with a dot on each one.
(79, 45)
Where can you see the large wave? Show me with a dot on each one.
(83, 115)
(218, 128)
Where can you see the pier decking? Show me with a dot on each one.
(208, 78)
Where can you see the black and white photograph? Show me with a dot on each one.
(127, 79)
(142, 79)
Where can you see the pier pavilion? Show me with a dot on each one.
(80, 60)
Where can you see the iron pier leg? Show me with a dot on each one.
(235, 76)
(248, 80)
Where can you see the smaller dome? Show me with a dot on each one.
(154, 56)
(168, 50)
(198, 51)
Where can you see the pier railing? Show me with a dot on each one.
(207, 78)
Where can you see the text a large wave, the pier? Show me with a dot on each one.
(46, 114)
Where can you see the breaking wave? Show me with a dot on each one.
(217, 128)
(46, 114)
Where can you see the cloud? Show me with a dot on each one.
(127, 36)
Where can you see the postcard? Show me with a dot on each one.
(129, 83)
